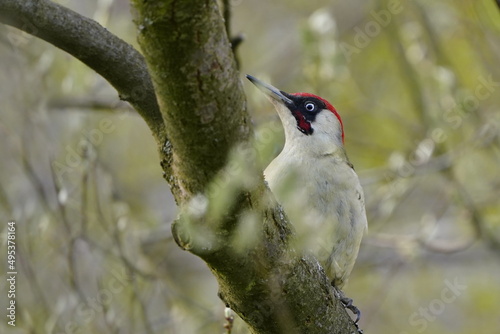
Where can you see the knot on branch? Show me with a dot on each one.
(229, 212)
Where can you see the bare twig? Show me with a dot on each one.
(235, 40)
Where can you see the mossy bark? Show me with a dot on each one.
(198, 88)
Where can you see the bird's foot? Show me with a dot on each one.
(347, 302)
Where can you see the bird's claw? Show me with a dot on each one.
(347, 302)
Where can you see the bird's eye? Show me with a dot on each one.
(310, 106)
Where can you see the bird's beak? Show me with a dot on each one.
(271, 91)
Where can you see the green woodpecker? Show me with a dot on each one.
(315, 183)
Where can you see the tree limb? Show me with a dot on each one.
(115, 60)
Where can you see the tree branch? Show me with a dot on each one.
(118, 62)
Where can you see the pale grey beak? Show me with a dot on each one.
(270, 91)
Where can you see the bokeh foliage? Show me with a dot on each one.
(419, 97)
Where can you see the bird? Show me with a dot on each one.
(315, 183)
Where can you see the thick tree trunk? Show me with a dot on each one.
(202, 110)
(198, 89)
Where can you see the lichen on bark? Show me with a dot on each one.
(199, 91)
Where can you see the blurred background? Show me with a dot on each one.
(417, 84)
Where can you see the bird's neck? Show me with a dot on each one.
(303, 147)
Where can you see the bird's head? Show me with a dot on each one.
(307, 118)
